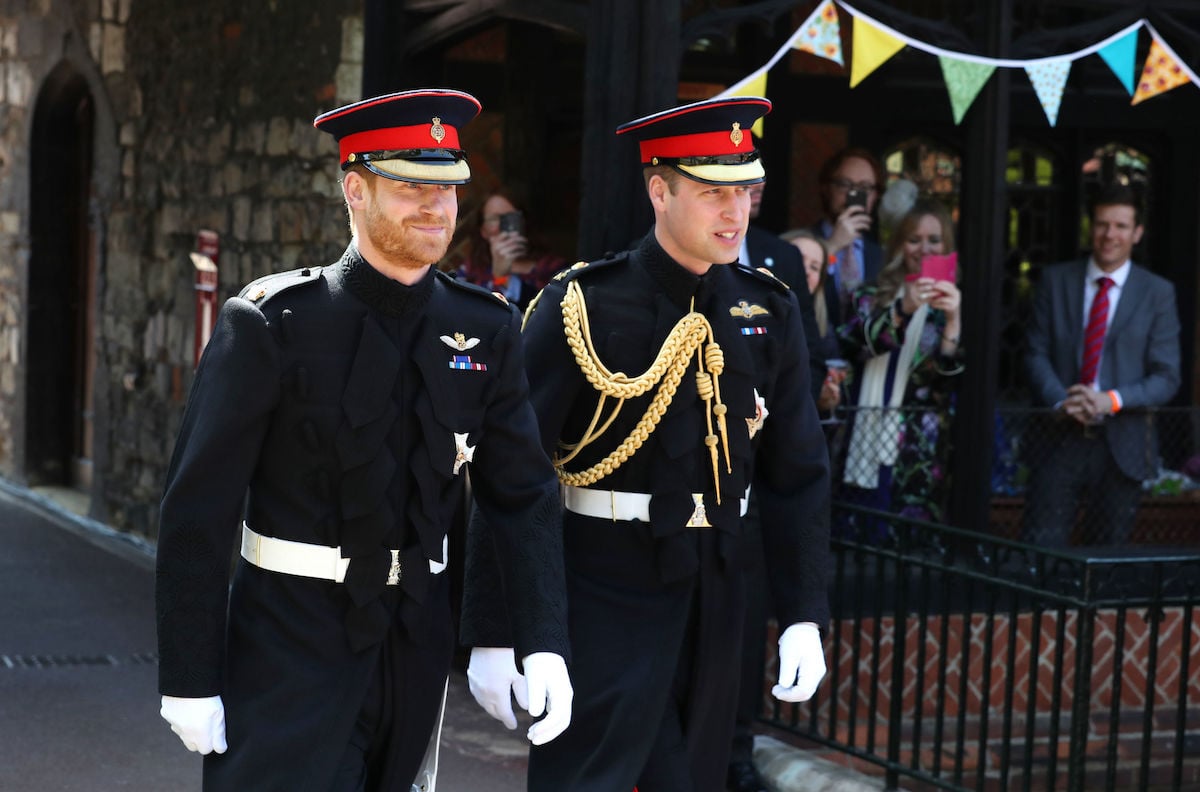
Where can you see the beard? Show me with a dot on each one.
(404, 247)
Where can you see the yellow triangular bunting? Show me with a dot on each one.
(872, 47)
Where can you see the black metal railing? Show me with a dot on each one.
(1030, 446)
(964, 661)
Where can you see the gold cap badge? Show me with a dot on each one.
(736, 135)
(437, 131)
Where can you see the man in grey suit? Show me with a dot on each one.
(850, 182)
(1103, 342)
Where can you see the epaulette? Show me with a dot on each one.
(494, 297)
(264, 288)
(762, 274)
(583, 267)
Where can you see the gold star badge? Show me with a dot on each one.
(760, 415)
(736, 135)
(437, 131)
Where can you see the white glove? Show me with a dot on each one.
(493, 679)
(199, 722)
(550, 691)
(801, 662)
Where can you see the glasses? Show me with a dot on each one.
(845, 185)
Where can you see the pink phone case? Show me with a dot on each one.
(941, 268)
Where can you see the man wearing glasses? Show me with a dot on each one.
(850, 181)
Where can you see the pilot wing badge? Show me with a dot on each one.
(748, 310)
(459, 342)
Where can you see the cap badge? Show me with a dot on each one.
(748, 310)
(437, 131)
(459, 342)
(736, 135)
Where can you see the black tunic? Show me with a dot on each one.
(329, 408)
(655, 609)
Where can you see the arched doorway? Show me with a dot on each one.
(62, 281)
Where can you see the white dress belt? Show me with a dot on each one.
(306, 560)
(616, 505)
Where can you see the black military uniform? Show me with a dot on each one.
(345, 410)
(652, 545)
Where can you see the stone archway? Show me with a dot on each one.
(60, 362)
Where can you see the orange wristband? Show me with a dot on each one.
(1116, 403)
(500, 281)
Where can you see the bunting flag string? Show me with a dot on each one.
(1162, 71)
(965, 74)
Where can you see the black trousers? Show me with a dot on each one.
(399, 713)
(654, 667)
(754, 638)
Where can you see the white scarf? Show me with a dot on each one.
(875, 438)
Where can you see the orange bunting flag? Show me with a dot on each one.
(872, 48)
(1161, 72)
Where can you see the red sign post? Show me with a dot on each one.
(204, 259)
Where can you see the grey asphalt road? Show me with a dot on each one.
(78, 699)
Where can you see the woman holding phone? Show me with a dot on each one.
(496, 252)
(904, 337)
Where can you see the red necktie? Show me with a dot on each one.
(1093, 337)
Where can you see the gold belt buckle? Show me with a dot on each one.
(699, 518)
(393, 578)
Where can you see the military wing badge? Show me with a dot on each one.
(748, 310)
(459, 342)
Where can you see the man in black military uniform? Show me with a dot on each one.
(666, 381)
(344, 406)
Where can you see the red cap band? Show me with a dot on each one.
(403, 137)
(700, 144)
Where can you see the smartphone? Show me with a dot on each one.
(856, 198)
(940, 268)
(512, 221)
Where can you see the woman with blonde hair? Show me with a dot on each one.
(905, 338)
(814, 253)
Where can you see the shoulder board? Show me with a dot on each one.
(581, 268)
(762, 274)
(264, 288)
(494, 297)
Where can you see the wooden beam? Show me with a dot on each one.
(464, 15)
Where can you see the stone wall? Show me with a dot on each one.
(204, 121)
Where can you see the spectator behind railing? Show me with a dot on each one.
(850, 182)
(904, 340)
(1103, 338)
(496, 250)
(826, 311)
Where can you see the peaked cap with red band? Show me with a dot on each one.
(408, 136)
(708, 141)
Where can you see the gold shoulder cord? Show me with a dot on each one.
(681, 345)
